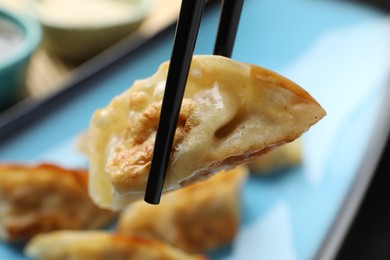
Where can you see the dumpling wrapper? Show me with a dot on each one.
(200, 217)
(232, 112)
(283, 157)
(101, 245)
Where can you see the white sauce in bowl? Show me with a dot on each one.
(85, 12)
(10, 37)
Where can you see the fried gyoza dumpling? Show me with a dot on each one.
(196, 218)
(231, 113)
(100, 245)
(282, 157)
(36, 199)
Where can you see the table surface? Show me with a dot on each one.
(289, 213)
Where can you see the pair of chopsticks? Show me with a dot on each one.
(185, 37)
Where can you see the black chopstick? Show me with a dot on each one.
(185, 37)
(227, 27)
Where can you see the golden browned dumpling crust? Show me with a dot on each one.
(100, 245)
(196, 218)
(232, 112)
(45, 197)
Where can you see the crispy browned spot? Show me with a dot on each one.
(134, 156)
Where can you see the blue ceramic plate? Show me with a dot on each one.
(318, 44)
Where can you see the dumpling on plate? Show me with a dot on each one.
(101, 245)
(41, 198)
(232, 112)
(280, 158)
(197, 218)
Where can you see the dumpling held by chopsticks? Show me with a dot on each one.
(232, 112)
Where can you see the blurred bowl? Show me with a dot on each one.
(19, 38)
(77, 30)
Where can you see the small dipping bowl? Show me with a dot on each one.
(77, 30)
(19, 38)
